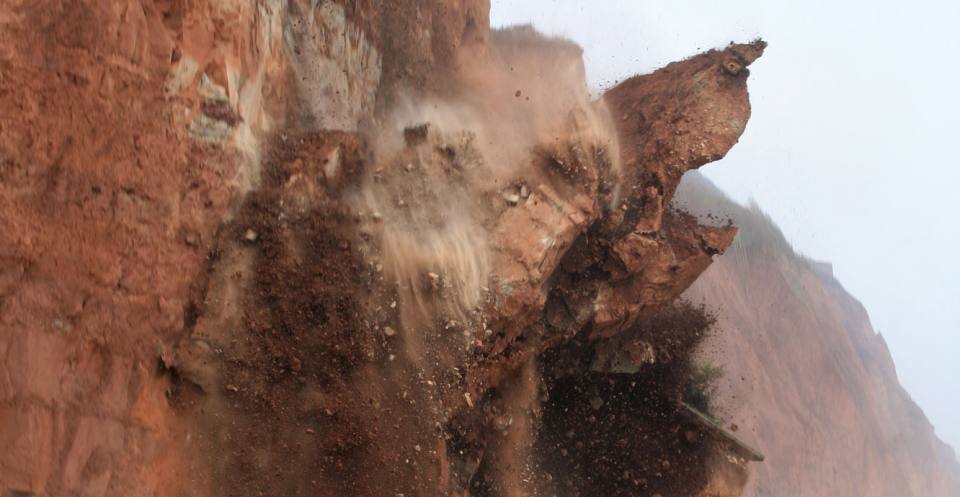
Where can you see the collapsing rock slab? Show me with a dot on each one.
(403, 282)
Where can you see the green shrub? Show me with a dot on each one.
(702, 385)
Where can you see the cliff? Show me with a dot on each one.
(300, 248)
(808, 380)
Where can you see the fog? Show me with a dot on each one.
(852, 148)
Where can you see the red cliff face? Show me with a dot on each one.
(808, 380)
(301, 247)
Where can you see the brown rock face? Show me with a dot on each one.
(676, 119)
(107, 206)
(683, 116)
(226, 271)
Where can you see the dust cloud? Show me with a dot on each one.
(451, 163)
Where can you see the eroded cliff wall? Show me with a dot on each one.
(301, 247)
(808, 380)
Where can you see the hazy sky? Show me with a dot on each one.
(853, 147)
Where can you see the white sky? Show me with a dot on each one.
(852, 148)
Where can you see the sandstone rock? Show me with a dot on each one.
(28, 460)
(136, 127)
